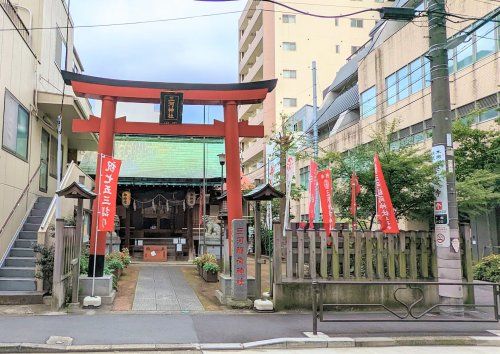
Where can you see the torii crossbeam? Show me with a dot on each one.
(111, 91)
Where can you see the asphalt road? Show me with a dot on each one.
(208, 328)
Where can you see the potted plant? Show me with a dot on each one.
(210, 272)
(199, 265)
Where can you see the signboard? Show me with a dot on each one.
(106, 199)
(290, 171)
(313, 179)
(171, 108)
(325, 196)
(126, 198)
(442, 229)
(190, 198)
(239, 264)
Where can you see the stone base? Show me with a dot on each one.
(103, 288)
(225, 286)
(263, 305)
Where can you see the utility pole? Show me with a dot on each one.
(445, 206)
(315, 133)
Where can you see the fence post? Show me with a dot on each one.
(357, 253)
(57, 285)
(413, 255)
(289, 251)
(424, 256)
(335, 256)
(380, 255)
(346, 267)
(312, 253)
(391, 262)
(434, 266)
(277, 254)
(468, 253)
(300, 254)
(402, 255)
(323, 261)
(369, 254)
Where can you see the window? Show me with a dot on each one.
(289, 19)
(392, 89)
(53, 157)
(60, 56)
(290, 74)
(356, 22)
(488, 114)
(416, 70)
(337, 22)
(44, 161)
(379, 0)
(337, 48)
(289, 102)
(290, 46)
(465, 53)
(427, 71)
(403, 83)
(354, 49)
(15, 127)
(485, 40)
(304, 177)
(369, 102)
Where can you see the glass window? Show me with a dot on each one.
(290, 102)
(427, 72)
(60, 55)
(337, 48)
(392, 90)
(403, 83)
(289, 19)
(53, 157)
(44, 160)
(451, 61)
(416, 69)
(356, 22)
(337, 22)
(491, 113)
(290, 46)
(368, 102)
(15, 127)
(290, 74)
(419, 137)
(485, 40)
(304, 177)
(464, 56)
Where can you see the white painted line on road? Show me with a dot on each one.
(494, 331)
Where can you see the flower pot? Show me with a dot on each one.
(117, 273)
(200, 270)
(210, 277)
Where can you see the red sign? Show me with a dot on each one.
(438, 206)
(313, 180)
(106, 200)
(385, 211)
(325, 196)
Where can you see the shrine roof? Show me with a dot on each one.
(156, 160)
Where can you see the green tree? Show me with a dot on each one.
(477, 165)
(409, 174)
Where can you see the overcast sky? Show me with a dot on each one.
(190, 50)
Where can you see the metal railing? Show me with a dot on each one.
(12, 14)
(18, 202)
(414, 310)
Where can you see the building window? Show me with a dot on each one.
(427, 72)
(369, 102)
(290, 74)
(337, 48)
(304, 177)
(356, 22)
(337, 21)
(485, 40)
(354, 49)
(60, 55)
(15, 127)
(289, 102)
(465, 54)
(391, 86)
(289, 19)
(290, 46)
(53, 157)
(403, 83)
(416, 75)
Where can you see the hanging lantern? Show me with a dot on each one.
(191, 198)
(126, 198)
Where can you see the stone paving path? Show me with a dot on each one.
(163, 288)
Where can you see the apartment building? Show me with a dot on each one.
(277, 43)
(35, 40)
(388, 81)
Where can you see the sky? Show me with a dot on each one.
(201, 50)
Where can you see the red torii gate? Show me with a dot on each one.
(110, 91)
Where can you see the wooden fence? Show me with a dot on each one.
(360, 255)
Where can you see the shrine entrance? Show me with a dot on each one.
(111, 91)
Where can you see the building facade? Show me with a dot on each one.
(388, 82)
(36, 37)
(277, 43)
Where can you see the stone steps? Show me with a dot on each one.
(17, 284)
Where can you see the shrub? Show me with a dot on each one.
(211, 267)
(46, 264)
(207, 258)
(125, 255)
(488, 269)
(197, 261)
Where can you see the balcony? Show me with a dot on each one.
(246, 111)
(254, 50)
(252, 27)
(257, 118)
(248, 12)
(256, 72)
(253, 150)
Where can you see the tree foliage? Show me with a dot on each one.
(409, 174)
(477, 161)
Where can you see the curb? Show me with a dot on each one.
(277, 343)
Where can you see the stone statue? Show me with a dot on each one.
(212, 231)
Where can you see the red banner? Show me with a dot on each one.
(106, 200)
(313, 180)
(325, 196)
(355, 190)
(385, 211)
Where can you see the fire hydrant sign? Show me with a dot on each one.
(106, 199)
(239, 266)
